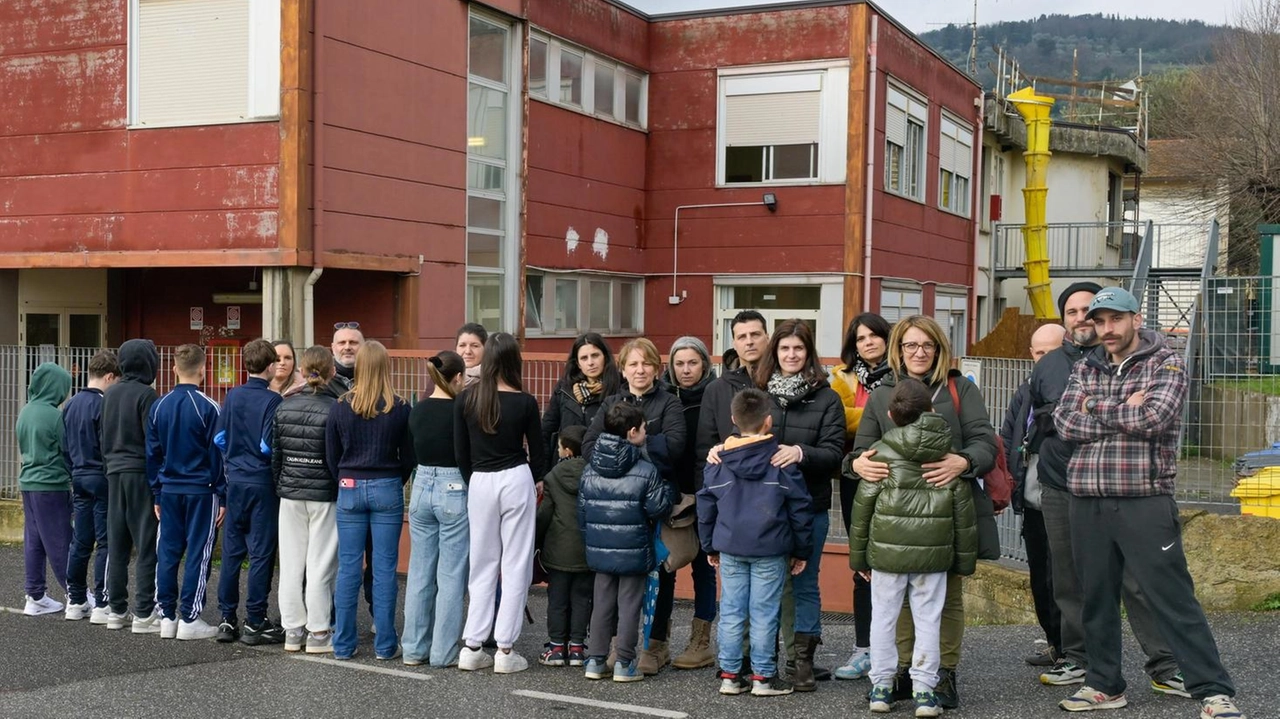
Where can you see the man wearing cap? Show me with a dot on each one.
(1123, 407)
(1053, 453)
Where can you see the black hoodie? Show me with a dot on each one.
(124, 409)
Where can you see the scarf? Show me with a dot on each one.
(588, 391)
(788, 389)
(870, 377)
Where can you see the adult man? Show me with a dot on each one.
(347, 339)
(750, 339)
(1048, 381)
(1123, 405)
(1013, 431)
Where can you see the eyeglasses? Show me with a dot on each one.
(915, 347)
(346, 325)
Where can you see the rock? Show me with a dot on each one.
(1234, 560)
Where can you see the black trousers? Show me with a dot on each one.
(861, 587)
(569, 596)
(131, 525)
(1036, 540)
(1144, 536)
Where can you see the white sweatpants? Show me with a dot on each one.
(502, 509)
(308, 553)
(926, 593)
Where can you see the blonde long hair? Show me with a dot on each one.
(372, 394)
(929, 326)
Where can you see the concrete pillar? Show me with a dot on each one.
(282, 304)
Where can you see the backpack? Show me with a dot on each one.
(997, 483)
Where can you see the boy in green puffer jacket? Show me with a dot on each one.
(910, 534)
(570, 583)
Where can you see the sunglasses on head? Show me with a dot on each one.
(346, 325)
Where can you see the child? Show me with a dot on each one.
(82, 424)
(620, 500)
(755, 522)
(909, 534)
(45, 484)
(244, 436)
(185, 470)
(131, 517)
(569, 581)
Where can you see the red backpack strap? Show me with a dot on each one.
(955, 397)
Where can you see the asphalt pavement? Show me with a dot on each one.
(51, 667)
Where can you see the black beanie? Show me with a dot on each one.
(1075, 287)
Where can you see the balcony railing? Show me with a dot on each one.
(1101, 247)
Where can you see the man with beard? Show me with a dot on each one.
(1048, 381)
(1123, 408)
(347, 339)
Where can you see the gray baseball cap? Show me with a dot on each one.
(1113, 298)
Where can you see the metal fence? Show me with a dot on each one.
(1102, 246)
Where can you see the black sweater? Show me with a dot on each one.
(360, 448)
(518, 426)
(431, 425)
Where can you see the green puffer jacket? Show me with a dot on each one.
(562, 546)
(904, 525)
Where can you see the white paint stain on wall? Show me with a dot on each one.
(570, 241)
(600, 244)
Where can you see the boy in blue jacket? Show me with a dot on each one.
(621, 498)
(253, 510)
(185, 471)
(755, 522)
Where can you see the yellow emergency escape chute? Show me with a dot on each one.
(1035, 111)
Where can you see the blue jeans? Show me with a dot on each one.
(377, 506)
(89, 510)
(250, 528)
(750, 588)
(804, 586)
(438, 566)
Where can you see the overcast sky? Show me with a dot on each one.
(918, 14)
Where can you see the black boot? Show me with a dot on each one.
(902, 684)
(948, 696)
(806, 647)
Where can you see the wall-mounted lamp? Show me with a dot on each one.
(770, 201)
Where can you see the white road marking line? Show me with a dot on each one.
(362, 667)
(11, 610)
(632, 708)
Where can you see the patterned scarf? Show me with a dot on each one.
(870, 377)
(588, 391)
(788, 389)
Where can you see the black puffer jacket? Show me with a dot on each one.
(621, 499)
(564, 410)
(663, 416)
(1048, 382)
(715, 423)
(298, 449)
(815, 423)
(685, 465)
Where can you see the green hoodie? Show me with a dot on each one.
(39, 430)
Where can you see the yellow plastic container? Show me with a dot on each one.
(1259, 495)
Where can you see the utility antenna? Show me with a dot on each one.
(973, 44)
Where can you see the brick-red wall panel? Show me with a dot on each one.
(749, 39)
(424, 33)
(52, 25)
(65, 92)
(605, 28)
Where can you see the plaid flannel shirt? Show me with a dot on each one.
(1124, 450)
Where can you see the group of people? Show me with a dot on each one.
(601, 491)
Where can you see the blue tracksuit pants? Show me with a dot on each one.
(188, 525)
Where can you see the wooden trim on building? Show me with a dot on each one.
(295, 122)
(855, 195)
(153, 258)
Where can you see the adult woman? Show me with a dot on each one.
(688, 374)
(493, 422)
(308, 511)
(287, 380)
(438, 528)
(368, 448)
(469, 344)
(864, 352)
(918, 348)
(808, 421)
(590, 375)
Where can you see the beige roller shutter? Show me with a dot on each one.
(192, 61)
(788, 118)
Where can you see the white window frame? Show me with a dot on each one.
(832, 122)
(621, 71)
(550, 326)
(829, 316)
(954, 137)
(262, 102)
(951, 310)
(900, 99)
(899, 293)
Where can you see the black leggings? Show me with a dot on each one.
(861, 587)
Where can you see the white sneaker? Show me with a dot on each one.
(43, 605)
(76, 612)
(196, 629)
(168, 628)
(100, 615)
(116, 621)
(509, 662)
(470, 660)
(148, 624)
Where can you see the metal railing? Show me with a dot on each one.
(1106, 248)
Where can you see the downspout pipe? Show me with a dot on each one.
(869, 180)
(976, 210)
(317, 176)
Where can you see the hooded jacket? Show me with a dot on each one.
(181, 455)
(124, 408)
(620, 500)
(664, 423)
(749, 508)
(904, 525)
(40, 432)
(244, 431)
(562, 546)
(815, 423)
(298, 465)
(684, 466)
(1048, 382)
(1124, 450)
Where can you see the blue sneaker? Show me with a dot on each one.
(595, 668)
(627, 671)
(880, 700)
(927, 704)
(857, 667)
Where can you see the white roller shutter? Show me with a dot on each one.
(192, 61)
(955, 154)
(789, 118)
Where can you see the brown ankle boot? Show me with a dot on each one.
(806, 647)
(698, 654)
(653, 659)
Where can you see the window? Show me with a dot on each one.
(951, 310)
(896, 303)
(587, 82)
(783, 127)
(955, 165)
(202, 63)
(580, 302)
(906, 116)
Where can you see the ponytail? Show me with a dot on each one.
(317, 367)
(443, 368)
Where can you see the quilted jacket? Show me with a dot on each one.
(621, 499)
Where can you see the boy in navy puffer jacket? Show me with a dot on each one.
(621, 499)
(755, 521)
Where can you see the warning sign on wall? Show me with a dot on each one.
(233, 317)
(197, 318)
